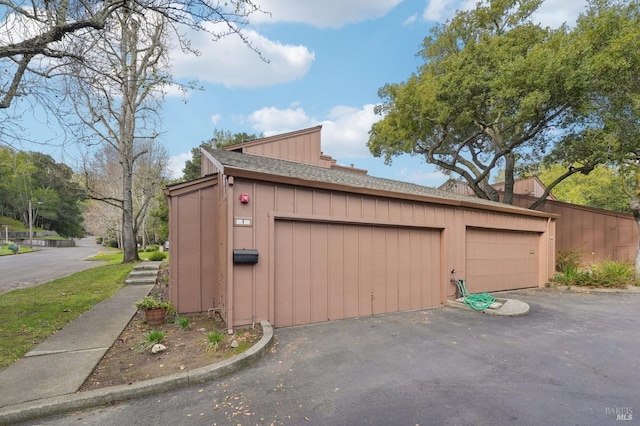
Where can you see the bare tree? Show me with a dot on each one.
(37, 36)
(148, 179)
(116, 100)
(103, 220)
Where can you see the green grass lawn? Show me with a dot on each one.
(113, 256)
(14, 224)
(4, 250)
(28, 316)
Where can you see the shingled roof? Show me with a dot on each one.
(311, 173)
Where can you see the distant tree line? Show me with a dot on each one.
(56, 197)
(220, 138)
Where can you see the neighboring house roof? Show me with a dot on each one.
(275, 138)
(301, 146)
(531, 186)
(234, 164)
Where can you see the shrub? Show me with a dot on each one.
(152, 247)
(214, 341)
(611, 273)
(99, 240)
(567, 261)
(153, 302)
(151, 338)
(157, 256)
(608, 274)
(182, 322)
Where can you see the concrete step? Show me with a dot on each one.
(147, 266)
(143, 273)
(149, 280)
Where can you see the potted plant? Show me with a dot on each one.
(155, 309)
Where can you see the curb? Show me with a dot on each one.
(579, 289)
(516, 309)
(82, 400)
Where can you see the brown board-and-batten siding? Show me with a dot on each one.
(334, 244)
(328, 255)
(193, 234)
(502, 260)
(329, 271)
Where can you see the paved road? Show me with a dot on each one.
(572, 361)
(45, 264)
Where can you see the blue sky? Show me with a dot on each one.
(328, 58)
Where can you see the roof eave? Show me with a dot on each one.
(289, 180)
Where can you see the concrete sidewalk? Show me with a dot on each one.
(46, 381)
(62, 363)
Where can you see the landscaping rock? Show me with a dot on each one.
(157, 348)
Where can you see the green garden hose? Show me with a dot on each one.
(479, 301)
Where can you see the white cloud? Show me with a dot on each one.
(322, 14)
(554, 13)
(551, 13)
(273, 121)
(230, 62)
(176, 164)
(345, 130)
(410, 20)
(215, 118)
(420, 176)
(435, 10)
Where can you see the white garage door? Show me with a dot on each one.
(329, 271)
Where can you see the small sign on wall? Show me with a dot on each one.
(242, 221)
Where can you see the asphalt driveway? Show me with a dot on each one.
(46, 264)
(575, 360)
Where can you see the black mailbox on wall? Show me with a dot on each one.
(245, 256)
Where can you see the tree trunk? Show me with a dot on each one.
(129, 241)
(127, 131)
(635, 209)
(510, 163)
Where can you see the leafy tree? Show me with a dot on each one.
(610, 40)
(220, 138)
(59, 196)
(36, 177)
(602, 188)
(191, 169)
(159, 219)
(497, 90)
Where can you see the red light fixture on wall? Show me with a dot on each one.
(244, 198)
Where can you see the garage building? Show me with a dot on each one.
(276, 230)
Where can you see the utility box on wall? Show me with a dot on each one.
(245, 256)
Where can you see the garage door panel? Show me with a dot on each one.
(301, 285)
(284, 266)
(391, 269)
(364, 272)
(416, 267)
(319, 276)
(435, 262)
(404, 270)
(501, 260)
(351, 269)
(333, 271)
(336, 253)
